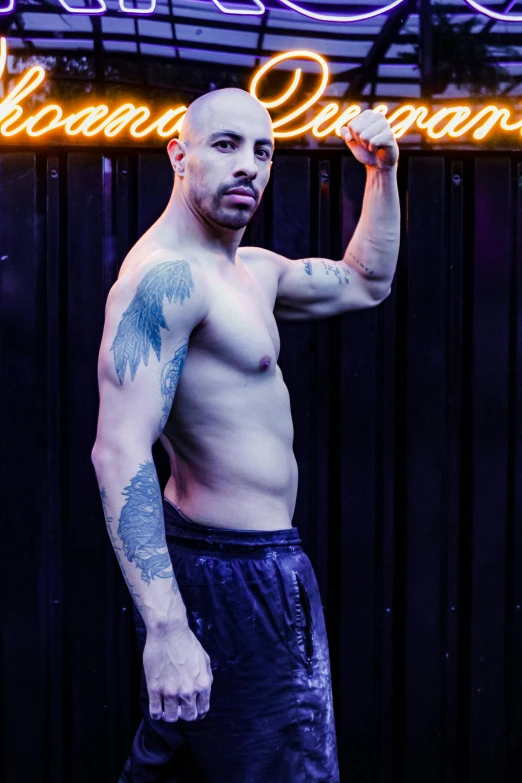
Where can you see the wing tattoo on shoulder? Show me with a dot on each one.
(139, 327)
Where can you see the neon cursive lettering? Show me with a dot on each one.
(309, 116)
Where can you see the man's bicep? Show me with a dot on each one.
(310, 288)
(137, 409)
(142, 353)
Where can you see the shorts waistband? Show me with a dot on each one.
(195, 535)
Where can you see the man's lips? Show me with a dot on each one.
(241, 195)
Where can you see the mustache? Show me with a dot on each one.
(246, 185)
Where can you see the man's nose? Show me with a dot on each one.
(246, 165)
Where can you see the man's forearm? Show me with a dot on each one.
(133, 508)
(374, 247)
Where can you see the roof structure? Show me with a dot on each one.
(392, 56)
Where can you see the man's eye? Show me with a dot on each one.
(264, 153)
(223, 144)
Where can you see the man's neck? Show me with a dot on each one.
(188, 227)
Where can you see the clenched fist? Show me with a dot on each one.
(371, 139)
(178, 674)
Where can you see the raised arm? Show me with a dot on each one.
(148, 321)
(310, 288)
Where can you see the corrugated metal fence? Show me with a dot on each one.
(408, 439)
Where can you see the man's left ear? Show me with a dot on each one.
(177, 152)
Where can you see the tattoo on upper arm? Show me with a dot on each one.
(117, 549)
(340, 270)
(141, 526)
(139, 327)
(360, 263)
(169, 382)
(307, 265)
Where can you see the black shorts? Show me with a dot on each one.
(253, 602)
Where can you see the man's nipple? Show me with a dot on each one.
(264, 364)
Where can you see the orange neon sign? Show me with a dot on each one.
(104, 122)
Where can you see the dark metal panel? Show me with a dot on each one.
(451, 738)
(514, 688)
(357, 458)
(425, 454)
(291, 206)
(155, 180)
(384, 592)
(85, 537)
(490, 466)
(124, 209)
(54, 488)
(386, 606)
(22, 350)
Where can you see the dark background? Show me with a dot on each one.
(408, 439)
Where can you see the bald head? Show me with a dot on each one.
(223, 156)
(207, 113)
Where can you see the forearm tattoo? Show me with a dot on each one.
(339, 269)
(141, 526)
(360, 263)
(139, 327)
(117, 549)
(169, 382)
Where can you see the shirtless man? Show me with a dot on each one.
(226, 601)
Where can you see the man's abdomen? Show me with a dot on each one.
(231, 453)
(236, 486)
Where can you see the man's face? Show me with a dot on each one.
(228, 164)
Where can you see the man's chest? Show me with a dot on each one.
(240, 326)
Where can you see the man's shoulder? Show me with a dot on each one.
(265, 266)
(162, 275)
(258, 255)
(152, 262)
(265, 262)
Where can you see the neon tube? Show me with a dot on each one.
(119, 122)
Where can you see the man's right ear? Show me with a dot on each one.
(177, 153)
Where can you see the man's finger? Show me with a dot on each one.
(203, 703)
(375, 129)
(346, 135)
(155, 707)
(383, 139)
(188, 708)
(170, 711)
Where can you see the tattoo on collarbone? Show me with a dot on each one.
(169, 381)
(307, 265)
(141, 526)
(117, 549)
(363, 266)
(340, 270)
(139, 327)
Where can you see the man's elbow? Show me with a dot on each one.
(99, 457)
(377, 295)
(118, 447)
(386, 294)
(104, 454)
